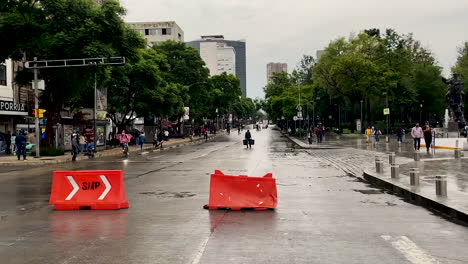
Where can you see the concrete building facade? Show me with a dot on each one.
(220, 55)
(12, 111)
(275, 67)
(157, 32)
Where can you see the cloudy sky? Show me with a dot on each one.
(283, 30)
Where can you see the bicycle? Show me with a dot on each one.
(125, 149)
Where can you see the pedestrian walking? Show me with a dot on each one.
(8, 143)
(369, 133)
(377, 134)
(399, 133)
(82, 142)
(248, 137)
(141, 140)
(20, 142)
(428, 136)
(76, 148)
(309, 137)
(417, 134)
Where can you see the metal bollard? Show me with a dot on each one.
(378, 164)
(441, 185)
(395, 171)
(457, 153)
(414, 176)
(391, 158)
(416, 155)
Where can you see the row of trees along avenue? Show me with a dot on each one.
(155, 82)
(368, 70)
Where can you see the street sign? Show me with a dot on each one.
(386, 111)
(295, 118)
(358, 125)
(299, 114)
(187, 113)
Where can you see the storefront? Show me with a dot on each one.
(11, 113)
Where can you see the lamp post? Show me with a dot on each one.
(362, 122)
(420, 114)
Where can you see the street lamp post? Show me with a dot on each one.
(420, 114)
(362, 122)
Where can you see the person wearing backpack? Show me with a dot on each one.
(377, 134)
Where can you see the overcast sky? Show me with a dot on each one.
(283, 30)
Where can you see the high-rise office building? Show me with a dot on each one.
(222, 55)
(275, 67)
(157, 32)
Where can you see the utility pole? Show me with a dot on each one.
(94, 110)
(36, 106)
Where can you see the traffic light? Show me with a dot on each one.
(38, 113)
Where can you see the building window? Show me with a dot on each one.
(166, 31)
(142, 31)
(153, 31)
(3, 74)
(146, 32)
(180, 36)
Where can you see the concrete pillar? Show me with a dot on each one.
(441, 185)
(416, 155)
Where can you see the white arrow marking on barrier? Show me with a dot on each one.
(108, 187)
(75, 188)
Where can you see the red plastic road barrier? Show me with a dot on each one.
(96, 190)
(241, 192)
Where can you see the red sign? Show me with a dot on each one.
(96, 190)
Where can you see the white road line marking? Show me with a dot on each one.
(108, 187)
(75, 188)
(201, 250)
(410, 250)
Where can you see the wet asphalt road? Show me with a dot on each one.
(323, 215)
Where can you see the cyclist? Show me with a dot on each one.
(124, 140)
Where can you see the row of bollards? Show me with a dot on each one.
(440, 180)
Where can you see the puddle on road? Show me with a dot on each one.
(369, 191)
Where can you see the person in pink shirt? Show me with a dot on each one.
(417, 133)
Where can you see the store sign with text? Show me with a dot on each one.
(12, 106)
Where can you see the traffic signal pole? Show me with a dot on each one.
(36, 114)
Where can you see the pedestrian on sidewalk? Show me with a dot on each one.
(417, 134)
(428, 136)
(368, 134)
(20, 142)
(377, 134)
(82, 142)
(76, 148)
(141, 140)
(8, 143)
(309, 136)
(399, 133)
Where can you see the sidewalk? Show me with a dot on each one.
(435, 162)
(6, 161)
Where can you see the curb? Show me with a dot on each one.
(414, 197)
(67, 158)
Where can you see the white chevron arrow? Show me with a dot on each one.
(75, 188)
(108, 187)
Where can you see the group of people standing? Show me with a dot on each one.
(318, 131)
(417, 133)
(21, 140)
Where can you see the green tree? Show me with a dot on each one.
(65, 29)
(185, 67)
(138, 89)
(228, 89)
